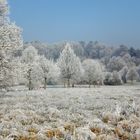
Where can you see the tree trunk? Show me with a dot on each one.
(30, 83)
(64, 85)
(45, 82)
(30, 80)
(125, 81)
(68, 82)
(73, 85)
(89, 82)
(131, 81)
(89, 85)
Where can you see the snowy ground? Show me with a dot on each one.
(70, 113)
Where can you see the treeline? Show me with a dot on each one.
(92, 50)
(38, 66)
(111, 66)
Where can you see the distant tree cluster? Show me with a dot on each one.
(35, 70)
(118, 64)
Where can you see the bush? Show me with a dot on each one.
(112, 79)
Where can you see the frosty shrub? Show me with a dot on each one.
(112, 78)
(50, 71)
(93, 72)
(132, 74)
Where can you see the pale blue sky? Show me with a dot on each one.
(109, 21)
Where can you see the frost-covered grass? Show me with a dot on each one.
(107, 112)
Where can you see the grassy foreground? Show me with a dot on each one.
(105, 113)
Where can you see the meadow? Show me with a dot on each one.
(97, 113)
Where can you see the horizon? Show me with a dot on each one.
(52, 21)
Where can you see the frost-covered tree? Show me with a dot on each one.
(4, 10)
(123, 73)
(18, 75)
(115, 64)
(10, 34)
(132, 74)
(79, 71)
(10, 40)
(31, 70)
(5, 71)
(30, 55)
(108, 78)
(50, 71)
(113, 78)
(138, 70)
(120, 51)
(93, 71)
(116, 78)
(10, 37)
(69, 64)
(33, 76)
(128, 60)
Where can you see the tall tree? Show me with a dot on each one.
(31, 68)
(50, 71)
(69, 64)
(4, 10)
(115, 64)
(10, 40)
(123, 73)
(5, 71)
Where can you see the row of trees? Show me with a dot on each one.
(86, 50)
(36, 70)
(115, 60)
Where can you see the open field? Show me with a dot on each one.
(71, 114)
